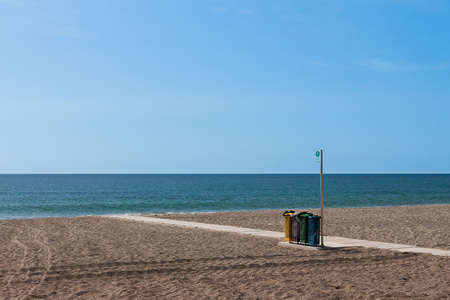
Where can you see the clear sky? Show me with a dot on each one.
(208, 86)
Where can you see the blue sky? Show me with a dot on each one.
(224, 86)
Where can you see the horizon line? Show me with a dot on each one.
(225, 173)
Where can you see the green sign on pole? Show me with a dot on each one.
(318, 157)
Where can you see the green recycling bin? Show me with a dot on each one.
(304, 227)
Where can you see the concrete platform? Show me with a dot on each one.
(330, 242)
(306, 247)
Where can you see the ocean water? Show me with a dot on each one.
(41, 196)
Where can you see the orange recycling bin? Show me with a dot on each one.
(288, 225)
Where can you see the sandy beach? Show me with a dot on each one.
(102, 258)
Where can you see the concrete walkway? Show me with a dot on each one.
(329, 241)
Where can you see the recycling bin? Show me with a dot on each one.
(304, 227)
(288, 225)
(296, 226)
(313, 230)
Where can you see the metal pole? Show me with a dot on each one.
(321, 198)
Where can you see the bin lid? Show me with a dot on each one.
(295, 215)
(314, 217)
(305, 214)
(288, 213)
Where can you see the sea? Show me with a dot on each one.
(68, 195)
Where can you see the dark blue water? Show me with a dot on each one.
(39, 196)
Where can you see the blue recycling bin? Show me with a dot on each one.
(313, 230)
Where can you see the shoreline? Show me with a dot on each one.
(214, 212)
(231, 211)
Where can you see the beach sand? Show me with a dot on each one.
(103, 258)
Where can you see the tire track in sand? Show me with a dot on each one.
(16, 241)
(40, 239)
(185, 266)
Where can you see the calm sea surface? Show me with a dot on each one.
(40, 196)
